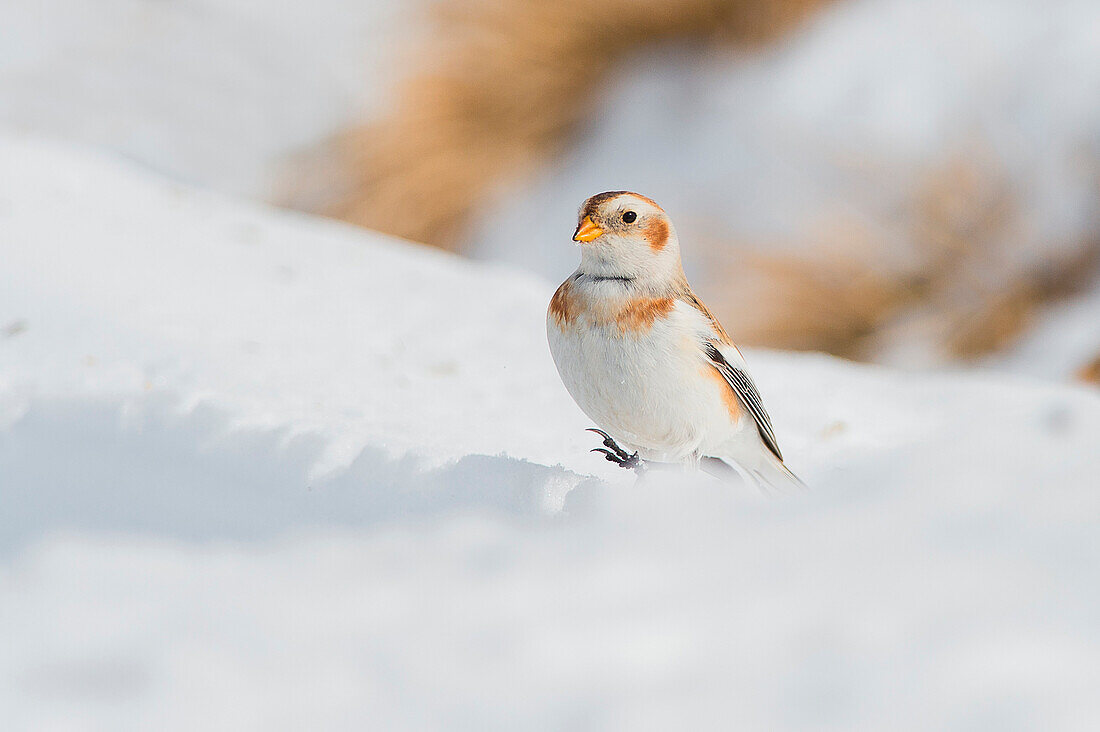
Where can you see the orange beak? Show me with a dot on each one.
(587, 231)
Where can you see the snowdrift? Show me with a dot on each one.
(258, 469)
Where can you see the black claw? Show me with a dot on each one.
(615, 454)
(606, 437)
(609, 441)
(610, 456)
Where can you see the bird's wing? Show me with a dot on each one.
(743, 386)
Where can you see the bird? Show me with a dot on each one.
(647, 361)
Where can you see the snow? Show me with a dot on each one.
(262, 470)
(1061, 342)
(219, 93)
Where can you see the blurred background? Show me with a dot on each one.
(262, 468)
(912, 182)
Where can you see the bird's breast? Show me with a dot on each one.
(635, 368)
(572, 307)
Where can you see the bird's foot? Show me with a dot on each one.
(615, 454)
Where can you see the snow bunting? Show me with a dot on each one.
(646, 360)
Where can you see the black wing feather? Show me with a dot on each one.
(746, 392)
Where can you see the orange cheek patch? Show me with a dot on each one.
(640, 313)
(733, 404)
(656, 233)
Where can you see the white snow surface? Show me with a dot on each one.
(261, 471)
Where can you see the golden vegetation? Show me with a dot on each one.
(1090, 372)
(966, 289)
(503, 84)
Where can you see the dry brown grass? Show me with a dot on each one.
(1090, 372)
(1002, 315)
(834, 304)
(984, 282)
(503, 84)
(964, 290)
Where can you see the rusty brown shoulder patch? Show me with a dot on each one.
(656, 233)
(693, 300)
(563, 305)
(729, 396)
(639, 314)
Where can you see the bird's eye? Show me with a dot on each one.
(630, 217)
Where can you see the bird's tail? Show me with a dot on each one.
(769, 474)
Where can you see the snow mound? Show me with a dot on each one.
(263, 470)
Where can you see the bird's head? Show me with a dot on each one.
(627, 235)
